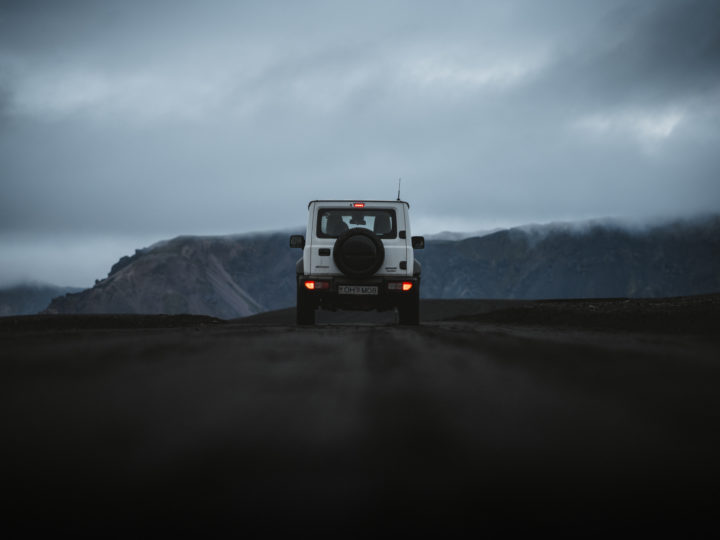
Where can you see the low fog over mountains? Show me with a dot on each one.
(29, 298)
(235, 276)
(578, 261)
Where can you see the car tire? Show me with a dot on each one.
(358, 253)
(409, 311)
(305, 309)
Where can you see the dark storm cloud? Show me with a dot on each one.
(672, 51)
(648, 51)
(151, 119)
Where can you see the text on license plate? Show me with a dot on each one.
(357, 289)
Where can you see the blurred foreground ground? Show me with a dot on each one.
(584, 417)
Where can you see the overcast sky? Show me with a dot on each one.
(123, 123)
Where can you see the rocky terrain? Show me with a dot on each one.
(224, 277)
(235, 276)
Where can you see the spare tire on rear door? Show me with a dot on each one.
(358, 253)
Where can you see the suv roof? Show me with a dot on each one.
(357, 200)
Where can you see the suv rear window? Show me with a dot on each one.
(332, 222)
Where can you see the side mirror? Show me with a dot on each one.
(418, 242)
(297, 241)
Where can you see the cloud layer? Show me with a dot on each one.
(162, 118)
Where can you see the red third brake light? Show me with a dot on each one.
(359, 205)
(407, 285)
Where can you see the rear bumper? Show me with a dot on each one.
(386, 298)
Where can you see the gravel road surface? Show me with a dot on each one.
(123, 425)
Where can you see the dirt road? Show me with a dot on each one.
(450, 426)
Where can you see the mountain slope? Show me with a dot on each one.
(235, 276)
(225, 277)
(561, 261)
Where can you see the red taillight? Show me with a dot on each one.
(400, 285)
(359, 205)
(317, 285)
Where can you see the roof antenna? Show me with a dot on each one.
(399, 180)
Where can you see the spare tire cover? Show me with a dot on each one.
(358, 253)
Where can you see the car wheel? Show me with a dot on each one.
(409, 310)
(358, 253)
(305, 309)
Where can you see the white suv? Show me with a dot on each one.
(358, 256)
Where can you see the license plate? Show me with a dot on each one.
(357, 289)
